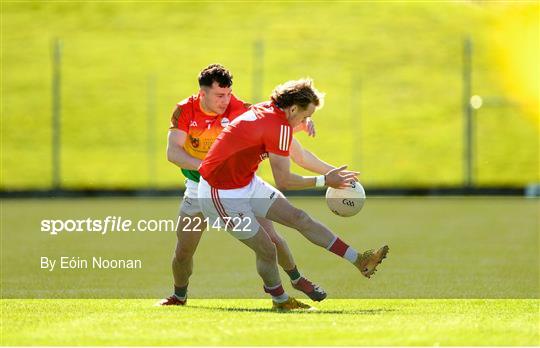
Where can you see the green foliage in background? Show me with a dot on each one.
(391, 71)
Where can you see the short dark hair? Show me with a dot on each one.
(297, 92)
(215, 73)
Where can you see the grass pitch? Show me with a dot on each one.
(460, 272)
(250, 322)
(439, 248)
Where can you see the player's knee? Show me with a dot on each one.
(300, 218)
(268, 252)
(279, 242)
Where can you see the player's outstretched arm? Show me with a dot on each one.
(176, 153)
(307, 160)
(285, 180)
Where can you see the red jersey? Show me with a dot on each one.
(202, 129)
(237, 152)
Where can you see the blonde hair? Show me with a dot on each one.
(297, 92)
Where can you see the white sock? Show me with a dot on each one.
(278, 299)
(281, 298)
(351, 255)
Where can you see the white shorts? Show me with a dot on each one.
(237, 210)
(190, 202)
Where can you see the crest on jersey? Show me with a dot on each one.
(225, 122)
(194, 142)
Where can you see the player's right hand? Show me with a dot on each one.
(340, 178)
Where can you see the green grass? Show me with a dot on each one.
(249, 322)
(461, 271)
(440, 248)
(393, 106)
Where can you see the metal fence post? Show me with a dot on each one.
(56, 109)
(151, 130)
(356, 124)
(468, 115)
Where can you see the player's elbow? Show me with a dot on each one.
(282, 187)
(170, 154)
(174, 155)
(299, 159)
(282, 183)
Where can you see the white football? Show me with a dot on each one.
(346, 202)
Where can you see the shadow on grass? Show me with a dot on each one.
(312, 312)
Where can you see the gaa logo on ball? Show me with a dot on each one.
(346, 202)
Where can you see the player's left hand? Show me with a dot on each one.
(308, 126)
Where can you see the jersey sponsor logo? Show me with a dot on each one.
(284, 137)
(194, 141)
(225, 122)
(193, 124)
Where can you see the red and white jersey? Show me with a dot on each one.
(234, 157)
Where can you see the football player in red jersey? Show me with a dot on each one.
(233, 197)
(195, 124)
